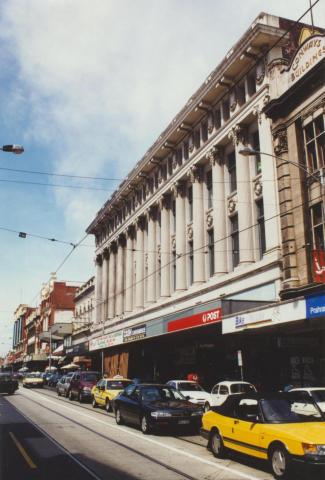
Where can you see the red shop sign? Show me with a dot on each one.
(203, 318)
(318, 257)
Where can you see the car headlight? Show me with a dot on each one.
(312, 449)
(197, 412)
(86, 389)
(160, 414)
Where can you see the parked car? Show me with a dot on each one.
(154, 406)
(63, 386)
(107, 389)
(8, 384)
(222, 390)
(274, 427)
(317, 393)
(54, 378)
(191, 390)
(81, 384)
(33, 380)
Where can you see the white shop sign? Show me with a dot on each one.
(105, 341)
(277, 314)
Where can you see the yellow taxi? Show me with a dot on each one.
(33, 379)
(285, 429)
(106, 390)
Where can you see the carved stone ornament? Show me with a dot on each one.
(178, 188)
(258, 188)
(232, 205)
(159, 252)
(174, 161)
(173, 244)
(233, 101)
(99, 259)
(146, 260)
(209, 220)
(190, 232)
(210, 123)
(195, 174)
(257, 112)
(215, 155)
(106, 253)
(266, 99)
(260, 72)
(238, 134)
(191, 143)
(280, 140)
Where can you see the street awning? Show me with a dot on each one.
(81, 359)
(58, 350)
(70, 366)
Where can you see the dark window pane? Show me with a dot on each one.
(311, 156)
(226, 109)
(319, 124)
(190, 203)
(209, 187)
(217, 118)
(321, 150)
(232, 171)
(309, 132)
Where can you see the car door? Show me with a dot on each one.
(97, 392)
(215, 395)
(223, 393)
(124, 402)
(134, 406)
(245, 434)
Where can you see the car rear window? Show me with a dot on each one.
(190, 387)
(242, 388)
(90, 377)
(118, 384)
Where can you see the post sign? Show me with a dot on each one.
(239, 358)
(310, 53)
(315, 306)
(203, 318)
(134, 333)
(318, 257)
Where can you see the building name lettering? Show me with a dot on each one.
(310, 53)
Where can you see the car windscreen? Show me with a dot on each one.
(242, 388)
(5, 378)
(190, 387)
(290, 410)
(318, 395)
(33, 375)
(153, 393)
(90, 377)
(118, 384)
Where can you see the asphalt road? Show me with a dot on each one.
(43, 436)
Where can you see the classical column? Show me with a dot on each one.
(238, 135)
(195, 175)
(105, 274)
(112, 281)
(152, 254)
(119, 308)
(165, 246)
(216, 158)
(179, 193)
(98, 293)
(139, 284)
(129, 270)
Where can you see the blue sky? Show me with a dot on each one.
(86, 86)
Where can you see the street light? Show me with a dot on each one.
(17, 149)
(247, 151)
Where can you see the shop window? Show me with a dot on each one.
(190, 203)
(211, 252)
(255, 141)
(231, 164)
(191, 263)
(314, 135)
(261, 227)
(234, 234)
(318, 226)
(209, 187)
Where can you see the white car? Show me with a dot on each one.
(317, 393)
(222, 390)
(192, 390)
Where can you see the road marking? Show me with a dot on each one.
(22, 451)
(149, 440)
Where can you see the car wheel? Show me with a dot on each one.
(70, 395)
(108, 406)
(118, 417)
(145, 427)
(80, 399)
(216, 444)
(280, 463)
(94, 404)
(207, 407)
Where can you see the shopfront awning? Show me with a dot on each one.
(58, 351)
(81, 359)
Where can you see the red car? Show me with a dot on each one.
(81, 385)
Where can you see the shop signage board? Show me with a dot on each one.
(276, 314)
(315, 306)
(318, 257)
(310, 53)
(197, 320)
(77, 349)
(105, 341)
(134, 333)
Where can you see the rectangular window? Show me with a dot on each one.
(241, 94)
(170, 166)
(197, 138)
(261, 227)
(204, 131)
(314, 135)
(185, 150)
(211, 252)
(225, 110)
(231, 164)
(209, 187)
(234, 233)
(190, 203)
(217, 119)
(255, 140)
(191, 263)
(318, 226)
(251, 83)
(174, 215)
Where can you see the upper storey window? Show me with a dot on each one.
(314, 136)
(231, 164)
(251, 83)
